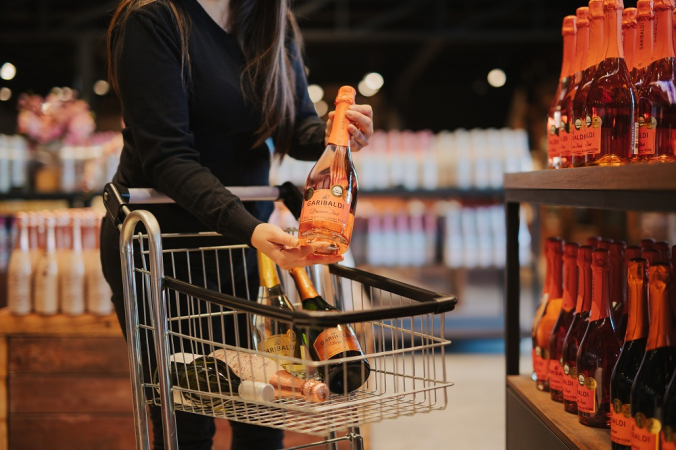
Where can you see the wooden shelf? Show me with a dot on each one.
(400, 192)
(564, 425)
(85, 324)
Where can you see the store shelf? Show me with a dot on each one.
(637, 187)
(443, 193)
(59, 324)
(563, 425)
(73, 199)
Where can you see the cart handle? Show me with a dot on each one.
(118, 198)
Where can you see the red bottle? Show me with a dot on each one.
(593, 241)
(565, 79)
(652, 256)
(594, 57)
(562, 324)
(543, 301)
(618, 286)
(645, 33)
(599, 349)
(577, 329)
(647, 243)
(605, 243)
(629, 36)
(566, 130)
(656, 96)
(611, 102)
(664, 249)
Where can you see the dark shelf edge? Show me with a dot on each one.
(626, 200)
(435, 193)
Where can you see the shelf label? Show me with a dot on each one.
(586, 394)
(647, 132)
(592, 140)
(555, 375)
(668, 438)
(569, 383)
(620, 422)
(644, 433)
(577, 146)
(541, 363)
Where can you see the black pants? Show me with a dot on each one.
(195, 432)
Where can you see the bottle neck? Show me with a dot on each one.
(664, 46)
(613, 34)
(267, 271)
(23, 242)
(568, 55)
(556, 284)
(306, 289)
(582, 48)
(629, 44)
(548, 275)
(77, 237)
(644, 42)
(659, 334)
(569, 283)
(596, 40)
(584, 289)
(637, 293)
(600, 308)
(339, 131)
(51, 238)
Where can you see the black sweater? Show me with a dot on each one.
(188, 144)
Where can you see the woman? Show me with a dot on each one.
(204, 85)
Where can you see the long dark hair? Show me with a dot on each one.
(265, 32)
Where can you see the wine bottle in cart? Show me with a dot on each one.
(554, 115)
(599, 349)
(594, 57)
(633, 350)
(556, 374)
(543, 302)
(20, 269)
(645, 32)
(549, 315)
(330, 198)
(577, 329)
(611, 101)
(629, 36)
(659, 361)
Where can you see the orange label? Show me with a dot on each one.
(553, 141)
(620, 422)
(667, 438)
(541, 364)
(644, 433)
(565, 140)
(569, 383)
(592, 141)
(646, 136)
(586, 394)
(331, 205)
(555, 375)
(577, 145)
(334, 341)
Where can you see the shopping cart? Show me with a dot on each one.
(185, 303)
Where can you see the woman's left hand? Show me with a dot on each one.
(361, 126)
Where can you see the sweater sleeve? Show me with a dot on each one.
(156, 110)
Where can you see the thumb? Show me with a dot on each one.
(280, 237)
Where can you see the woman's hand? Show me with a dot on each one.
(360, 129)
(285, 250)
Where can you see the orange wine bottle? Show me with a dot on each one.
(543, 300)
(566, 131)
(659, 361)
(647, 243)
(656, 99)
(565, 79)
(594, 57)
(629, 36)
(593, 241)
(556, 374)
(645, 32)
(611, 102)
(633, 350)
(668, 432)
(549, 316)
(330, 198)
(665, 251)
(599, 349)
(618, 285)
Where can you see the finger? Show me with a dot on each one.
(362, 121)
(331, 115)
(291, 255)
(358, 136)
(321, 259)
(367, 110)
(282, 238)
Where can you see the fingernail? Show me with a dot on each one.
(295, 242)
(353, 107)
(349, 113)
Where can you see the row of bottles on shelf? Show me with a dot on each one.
(475, 159)
(614, 102)
(449, 233)
(604, 340)
(55, 263)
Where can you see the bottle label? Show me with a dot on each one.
(565, 139)
(279, 344)
(541, 363)
(586, 394)
(569, 383)
(553, 141)
(334, 341)
(555, 375)
(644, 433)
(667, 438)
(330, 205)
(577, 146)
(592, 139)
(620, 422)
(647, 131)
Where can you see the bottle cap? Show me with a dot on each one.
(645, 9)
(663, 4)
(346, 94)
(629, 17)
(613, 4)
(596, 9)
(317, 391)
(255, 390)
(568, 25)
(600, 257)
(632, 252)
(581, 13)
(651, 255)
(571, 249)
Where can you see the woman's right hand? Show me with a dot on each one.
(285, 250)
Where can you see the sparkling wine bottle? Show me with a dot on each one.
(331, 343)
(645, 32)
(629, 36)
(594, 57)
(633, 350)
(577, 329)
(331, 189)
(72, 273)
(599, 349)
(668, 432)
(554, 115)
(46, 288)
(656, 99)
(647, 243)
(618, 286)
(19, 271)
(566, 130)
(664, 249)
(593, 241)
(549, 242)
(562, 325)
(611, 101)
(549, 315)
(659, 361)
(604, 243)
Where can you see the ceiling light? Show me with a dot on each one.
(374, 80)
(101, 87)
(497, 78)
(365, 90)
(316, 92)
(7, 71)
(5, 94)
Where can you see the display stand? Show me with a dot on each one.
(534, 421)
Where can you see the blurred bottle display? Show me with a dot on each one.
(644, 41)
(630, 359)
(668, 431)
(563, 322)
(548, 246)
(20, 270)
(618, 285)
(46, 277)
(97, 290)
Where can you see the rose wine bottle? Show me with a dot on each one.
(645, 32)
(599, 349)
(618, 286)
(562, 325)
(331, 343)
(593, 241)
(97, 290)
(633, 350)
(577, 329)
(656, 97)
(668, 432)
(665, 251)
(565, 79)
(549, 315)
(594, 57)
(611, 101)
(629, 36)
(331, 189)
(566, 130)
(647, 243)
(549, 242)
(20, 270)
(659, 361)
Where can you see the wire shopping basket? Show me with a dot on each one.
(193, 346)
